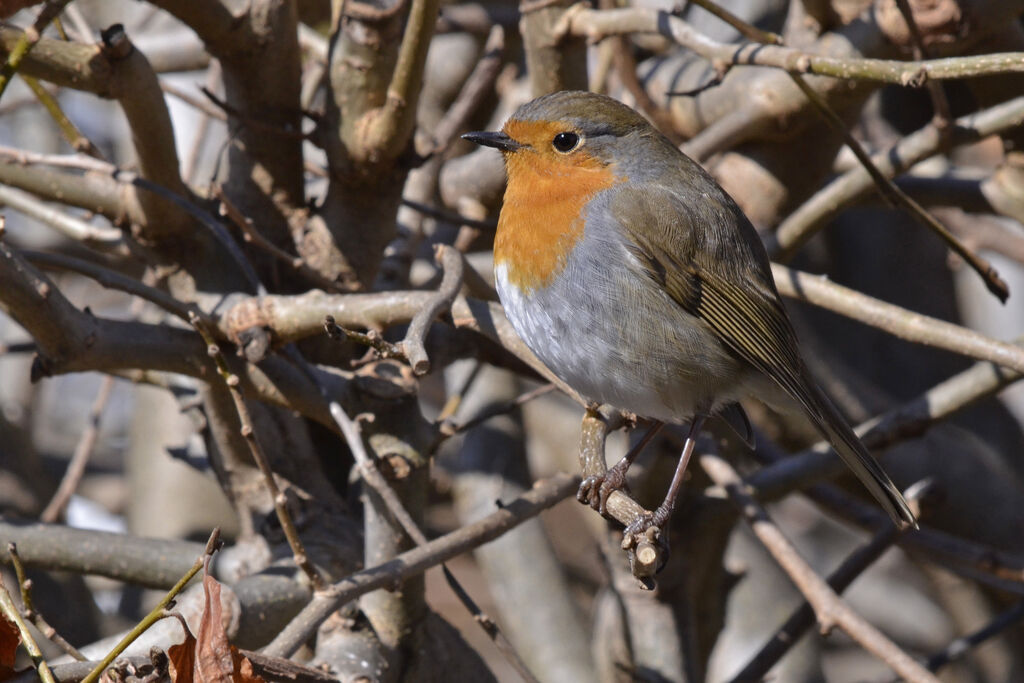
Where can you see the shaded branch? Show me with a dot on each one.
(413, 562)
(830, 609)
(907, 421)
(855, 183)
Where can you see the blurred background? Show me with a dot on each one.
(271, 111)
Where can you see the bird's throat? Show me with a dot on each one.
(542, 217)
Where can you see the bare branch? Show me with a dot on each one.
(451, 265)
(596, 24)
(80, 457)
(829, 608)
(896, 320)
(413, 562)
(248, 432)
(801, 224)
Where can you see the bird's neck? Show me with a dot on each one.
(542, 217)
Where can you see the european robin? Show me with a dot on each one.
(638, 281)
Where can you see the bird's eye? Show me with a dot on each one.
(565, 142)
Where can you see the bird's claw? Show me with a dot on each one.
(595, 489)
(646, 543)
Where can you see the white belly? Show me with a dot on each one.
(628, 354)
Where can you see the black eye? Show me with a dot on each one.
(565, 142)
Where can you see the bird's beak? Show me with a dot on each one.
(497, 140)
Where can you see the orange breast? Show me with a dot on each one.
(541, 220)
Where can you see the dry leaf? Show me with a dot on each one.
(209, 657)
(182, 658)
(9, 641)
(213, 652)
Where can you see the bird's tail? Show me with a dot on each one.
(853, 452)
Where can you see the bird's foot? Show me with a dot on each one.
(646, 541)
(595, 489)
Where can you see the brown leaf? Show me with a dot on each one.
(243, 669)
(213, 652)
(209, 657)
(9, 641)
(182, 658)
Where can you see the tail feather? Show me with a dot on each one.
(853, 452)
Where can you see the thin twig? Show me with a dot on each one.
(450, 216)
(450, 261)
(829, 608)
(746, 29)
(890, 192)
(111, 279)
(159, 611)
(9, 610)
(254, 236)
(597, 24)
(449, 428)
(80, 457)
(543, 495)
(28, 40)
(30, 611)
(796, 625)
(75, 228)
(77, 161)
(204, 106)
(254, 123)
(75, 137)
(896, 320)
(942, 117)
(382, 347)
(959, 648)
(249, 434)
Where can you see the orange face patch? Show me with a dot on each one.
(541, 217)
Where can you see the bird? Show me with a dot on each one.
(638, 281)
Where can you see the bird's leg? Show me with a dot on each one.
(595, 489)
(660, 517)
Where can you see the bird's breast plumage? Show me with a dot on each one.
(542, 216)
(612, 334)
